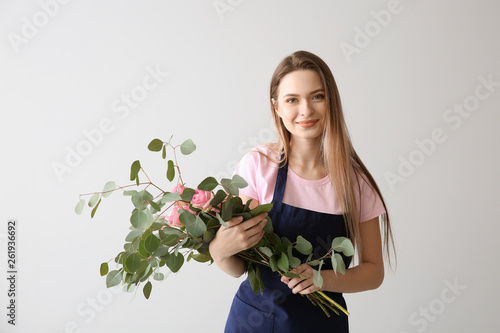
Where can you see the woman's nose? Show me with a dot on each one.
(306, 109)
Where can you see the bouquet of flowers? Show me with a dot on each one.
(157, 239)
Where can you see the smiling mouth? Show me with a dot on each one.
(307, 123)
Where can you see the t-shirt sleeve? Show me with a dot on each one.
(247, 168)
(371, 204)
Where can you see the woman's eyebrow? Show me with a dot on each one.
(311, 93)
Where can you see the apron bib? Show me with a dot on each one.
(278, 309)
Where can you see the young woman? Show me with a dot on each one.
(320, 190)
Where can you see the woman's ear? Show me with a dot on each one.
(275, 105)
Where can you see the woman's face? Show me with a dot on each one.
(302, 104)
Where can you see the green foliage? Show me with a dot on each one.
(104, 268)
(187, 194)
(283, 262)
(168, 197)
(141, 219)
(147, 289)
(303, 245)
(266, 251)
(114, 278)
(141, 199)
(344, 245)
(95, 209)
(93, 199)
(338, 264)
(239, 182)
(79, 207)
(170, 170)
(208, 184)
(152, 244)
(175, 262)
(108, 189)
(261, 209)
(134, 170)
(187, 147)
(155, 145)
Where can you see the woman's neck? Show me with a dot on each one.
(305, 158)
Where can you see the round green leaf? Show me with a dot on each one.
(161, 251)
(344, 245)
(218, 198)
(79, 206)
(239, 182)
(187, 147)
(151, 243)
(134, 170)
(283, 263)
(261, 209)
(266, 251)
(208, 235)
(175, 261)
(108, 189)
(159, 276)
(133, 235)
(93, 199)
(147, 289)
(196, 226)
(155, 145)
(338, 264)
(170, 240)
(317, 279)
(208, 184)
(104, 268)
(141, 199)
(113, 279)
(132, 263)
(141, 219)
(168, 196)
(303, 245)
(187, 194)
(199, 257)
(170, 170)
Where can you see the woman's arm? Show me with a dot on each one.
(369, 274)
(238, 237)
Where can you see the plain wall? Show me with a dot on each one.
(403, 79)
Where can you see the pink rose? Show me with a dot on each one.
(173, 218)
(201, 199)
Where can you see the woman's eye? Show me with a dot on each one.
(291, 100)
(320, 96)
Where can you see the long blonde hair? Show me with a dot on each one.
(337, 152)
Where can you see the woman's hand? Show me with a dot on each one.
(303, 284)
(240, 236)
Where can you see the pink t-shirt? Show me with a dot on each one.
(317, 195)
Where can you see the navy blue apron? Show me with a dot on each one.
(278, 309)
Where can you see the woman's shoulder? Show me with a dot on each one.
(263, 155)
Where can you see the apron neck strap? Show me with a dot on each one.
(279, 189)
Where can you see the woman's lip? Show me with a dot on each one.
(307, 123)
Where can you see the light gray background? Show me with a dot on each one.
(64, 79)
